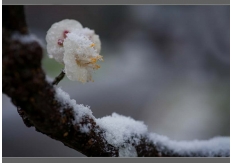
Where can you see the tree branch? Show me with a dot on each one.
(38, 104)
(59, 78)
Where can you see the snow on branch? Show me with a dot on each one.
(125, 133)
(215, 147)
(52, 112)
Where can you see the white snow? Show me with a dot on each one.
(49, 79)
(124, 133)
(85, 128)
(120, 129)
(200, 148)
(26, 39)
(119, 132)
(93, 37)
(127, 151)
(79, 110)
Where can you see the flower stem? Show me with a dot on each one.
(59, 78)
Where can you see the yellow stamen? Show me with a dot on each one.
(79, 63)
(96, 66)
(92, 45)
(93, 60)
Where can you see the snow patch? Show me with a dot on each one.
(127, 151)
(79, 110)
(49, 79)
(198, 148)
(85, 128)
(26, 39)
(122, 132)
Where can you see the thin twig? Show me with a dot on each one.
(59, 78)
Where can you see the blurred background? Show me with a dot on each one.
(167, 66)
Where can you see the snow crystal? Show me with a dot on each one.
(199, 148)
(119, 129)
(85, 128)
(93, 37)
(79, 110)
(127, 151)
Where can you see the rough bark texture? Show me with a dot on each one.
(24, 82)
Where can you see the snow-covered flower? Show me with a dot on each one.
(56, 35)
(76, 47)
(80, 57)
(93, 37)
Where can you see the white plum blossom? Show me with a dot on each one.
(76, 47)
(81, 60)
(56, 35)
(93, 37)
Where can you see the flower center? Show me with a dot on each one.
(89, 62)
